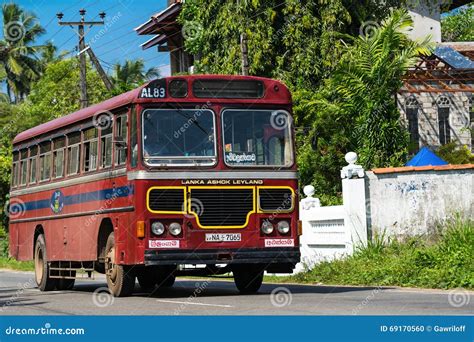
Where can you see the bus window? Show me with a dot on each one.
(23, 166)
(73, 153)
(58, 157)
(14, 181)
(133, 140)
(90, 149)
(122, 136)
(106, 148)
(45, 161)
(33, 155)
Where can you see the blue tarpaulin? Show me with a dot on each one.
(426, 157)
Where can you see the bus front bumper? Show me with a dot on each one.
(267, 256)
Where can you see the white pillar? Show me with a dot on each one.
(354, 200)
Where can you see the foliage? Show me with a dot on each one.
(446, 262)
(459, 27)
(455, 154)
(131, 74)
(18, 54)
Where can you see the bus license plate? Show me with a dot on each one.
(223, 237)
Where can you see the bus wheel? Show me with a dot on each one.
(120, 278)
(248, 278)
(146, 280)
(66, 284)
(43, 280)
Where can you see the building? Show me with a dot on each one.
(167, 36)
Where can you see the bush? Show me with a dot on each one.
(440, 261)
(455, 154)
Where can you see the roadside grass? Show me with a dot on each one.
(12, 264)
(443, 260)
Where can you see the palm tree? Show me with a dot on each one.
(18, 54)
(132, 74)
(366, 83)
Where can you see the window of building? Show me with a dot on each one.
(23, 166)
(444, 127)
(90, 144)
(412, 107)
(121, 135)
(32, 164)
(106, 147)
(45, 161)
(73, 153)
(14, 179)
(58, 157)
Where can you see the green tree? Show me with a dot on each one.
(18, 54)
(132, 74)
(459, 26)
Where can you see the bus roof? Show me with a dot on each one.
(131, 97)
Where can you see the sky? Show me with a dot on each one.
(117, 43)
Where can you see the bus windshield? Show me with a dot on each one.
(257, 137)
(179, 136)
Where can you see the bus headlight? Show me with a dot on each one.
(267, 227)
(157, 228)
(175, 228)
(283, 227)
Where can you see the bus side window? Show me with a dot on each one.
(73, 153)
(58, 157)
(45, 161)
(90, 149)
(106, 148)
(14, 180)
(133, 139)
(121, 134)
(23, 166)
(32, 164)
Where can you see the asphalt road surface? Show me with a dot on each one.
(18, 296)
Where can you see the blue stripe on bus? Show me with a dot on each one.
(100, 195)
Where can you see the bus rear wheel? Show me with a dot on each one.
(42, 274)
(120, 278)
(248, 278)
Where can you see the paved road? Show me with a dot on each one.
(18, 296)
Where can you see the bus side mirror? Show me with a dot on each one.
(120, 143)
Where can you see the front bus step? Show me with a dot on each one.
(71, 269)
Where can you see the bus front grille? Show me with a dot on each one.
(275, 199)
(166, 200)
(222, 207)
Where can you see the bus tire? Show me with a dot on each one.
(120, 278)
(248, 278)
(42, 274)
(65, 283)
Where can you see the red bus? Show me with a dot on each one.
(188, 175)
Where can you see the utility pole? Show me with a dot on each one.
(245, 56)
(100, 70)
(82, 58)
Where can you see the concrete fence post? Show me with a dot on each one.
(354, 201)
